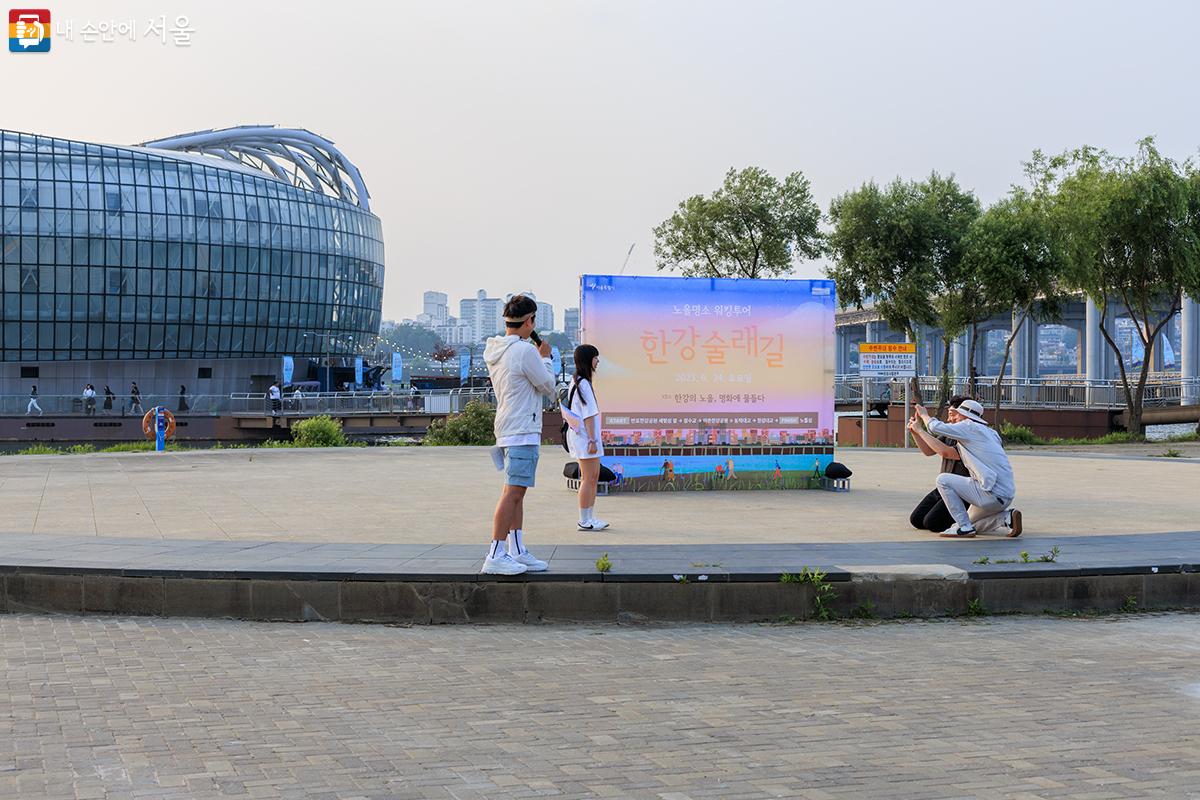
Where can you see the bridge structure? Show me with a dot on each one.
(1045, 352)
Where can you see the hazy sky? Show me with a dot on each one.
(516, 145)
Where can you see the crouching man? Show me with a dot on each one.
(989, 486)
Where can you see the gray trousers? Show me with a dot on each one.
(987, 511)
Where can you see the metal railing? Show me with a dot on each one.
(1045, 392)
(440, 401)
(445, 401)
(117, 406)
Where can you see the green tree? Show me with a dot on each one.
(474, 426)
(1013, 250)
(901, 247)
(752, 227)
(1131, 228)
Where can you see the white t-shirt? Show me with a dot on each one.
(583, 406)
(274, 392)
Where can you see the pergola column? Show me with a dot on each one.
(1189, 350)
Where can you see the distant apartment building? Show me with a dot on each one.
(483, 314)
(436, 306)
(455, 332)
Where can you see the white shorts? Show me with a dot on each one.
(578, 446)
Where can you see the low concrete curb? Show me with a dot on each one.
(881, 592)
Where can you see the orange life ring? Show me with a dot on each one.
(148, 423)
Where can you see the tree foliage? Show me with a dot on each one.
(320, 431)
(474, 426)
(754, 226)
(1018, 259)
(901, 248)
(1131, 233)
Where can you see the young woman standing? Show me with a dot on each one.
(583, 434)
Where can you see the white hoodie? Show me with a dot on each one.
(519, 376)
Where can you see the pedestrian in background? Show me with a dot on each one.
(135, 399)
(89, 400)
(183, 403)
(276, 399)
(33, 403)
(109, 398)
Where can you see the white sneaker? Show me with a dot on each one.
(503, 564)
(531, 564)
(594, 525)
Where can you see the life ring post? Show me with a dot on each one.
(159, 424)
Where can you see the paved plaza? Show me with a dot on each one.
(446, 495)
(997, 707)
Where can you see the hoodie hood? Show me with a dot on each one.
(496, 346)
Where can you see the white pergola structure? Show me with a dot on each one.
(299, 157)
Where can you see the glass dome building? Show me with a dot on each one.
(198, 259)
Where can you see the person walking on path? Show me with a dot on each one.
(276, 398)
(135, 399)
(931, 513)
(89, 400)
(990, 486)
(33, 403)
(582, 414)
(109, 398)
(521, 374)
(183, 403)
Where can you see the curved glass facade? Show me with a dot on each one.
(132, 253)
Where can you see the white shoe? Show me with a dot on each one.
(594, 525)
(503, 564)
(531, 564)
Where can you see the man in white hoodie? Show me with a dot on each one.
(521, 374)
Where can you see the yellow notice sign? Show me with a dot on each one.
(888, 347)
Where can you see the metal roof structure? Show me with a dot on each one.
(294, 155)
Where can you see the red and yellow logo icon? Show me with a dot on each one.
(29, 30)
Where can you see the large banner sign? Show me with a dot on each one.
(712, 383)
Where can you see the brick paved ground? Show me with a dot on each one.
(1002, 707)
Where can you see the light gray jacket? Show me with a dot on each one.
(520, 377)
(982, 454)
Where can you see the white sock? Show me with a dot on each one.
(515, 546)
(497, 548)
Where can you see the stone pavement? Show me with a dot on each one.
(991, 708)
(446, 495)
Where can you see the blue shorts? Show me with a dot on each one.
(520, 464)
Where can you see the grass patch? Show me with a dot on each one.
(1020, 434)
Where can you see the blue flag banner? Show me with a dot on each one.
(358, 370)
(397, 368)
(464, 367)
(289, 369)
(556, 358)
